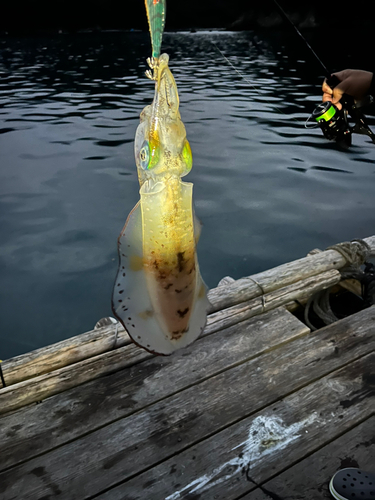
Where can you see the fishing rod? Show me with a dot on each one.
(333, 121)
(287, 18)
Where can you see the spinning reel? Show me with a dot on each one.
(334, 122)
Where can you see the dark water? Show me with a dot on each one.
(266, 189)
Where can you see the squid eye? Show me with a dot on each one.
(187, 155)
(144, 155)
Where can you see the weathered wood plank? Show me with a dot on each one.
(351, 285)
(93, 343)
(66, 352)
(297, 291)
(101, 459)
(97, 403)
(280, 276)
(37, 388)
(75, 353)
(309, 479)
(233, 462)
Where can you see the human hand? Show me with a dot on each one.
(354, 82)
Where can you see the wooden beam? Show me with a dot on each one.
(202, 414)
(278, 277)
(99, 402)
(299, 290)
(233, 462)
(96, 342)
(66, 352)
(37, 388)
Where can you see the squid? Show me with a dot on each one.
(159, 295)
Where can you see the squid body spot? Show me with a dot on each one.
(182, 313)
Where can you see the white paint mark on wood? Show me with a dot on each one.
(269, 434)
(266, 435)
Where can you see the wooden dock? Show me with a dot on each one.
(258, 408)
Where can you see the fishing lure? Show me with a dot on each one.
(156, 11)
(159, 295)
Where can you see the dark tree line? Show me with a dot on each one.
(42, 16)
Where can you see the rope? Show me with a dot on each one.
(355, 252)
(320, 302)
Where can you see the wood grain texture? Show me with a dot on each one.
(300, 291)
(99, 402)
(62, 379)
(37, 388)
(234, 461)
(66, 352)
(96, 342)
(247, 288)
(108, 456)
(309, 479)
(50, 363)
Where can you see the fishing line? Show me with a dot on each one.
(235, 69)
(328, 73)
(250, 83)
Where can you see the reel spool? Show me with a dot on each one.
(333, 122)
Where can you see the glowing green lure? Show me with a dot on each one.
(156, 10)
